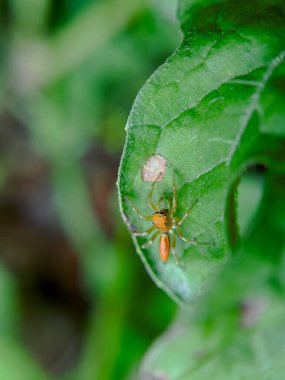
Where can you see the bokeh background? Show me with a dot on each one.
(75, 300)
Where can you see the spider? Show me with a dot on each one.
(164, 223)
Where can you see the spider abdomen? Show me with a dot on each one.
(164, 245)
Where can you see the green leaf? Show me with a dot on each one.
(213, 109)
(237, 330)
(251, 348)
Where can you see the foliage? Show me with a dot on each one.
(69, 72)
(214, 111)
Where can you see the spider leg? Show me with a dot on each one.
(168, 202)
(149, 230)
(151, 240)
(159, 202)
(138, 213)
(187, 213)
(174, 197)
(181, 235)
(173, 245)
(149, 201)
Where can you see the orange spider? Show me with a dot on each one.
(165, 224)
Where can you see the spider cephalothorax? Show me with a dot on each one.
(161, 220)
(165, 224)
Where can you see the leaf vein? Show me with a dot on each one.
(254, 101)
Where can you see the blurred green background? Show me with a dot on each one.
(76, 302)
